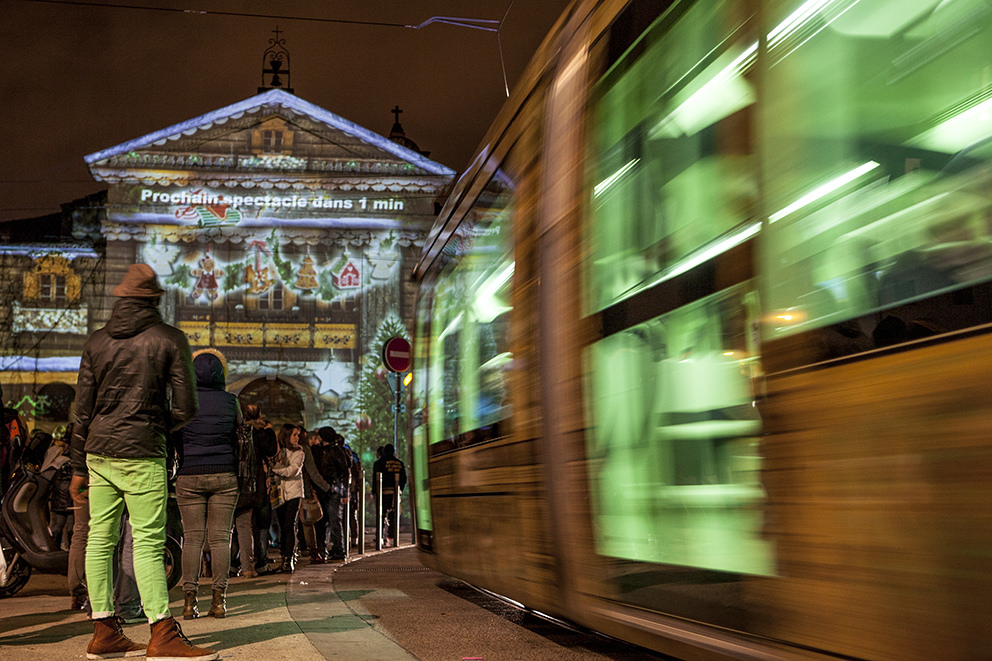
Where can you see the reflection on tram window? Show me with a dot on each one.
(674, 468)
(870, 137)
(469, 332)
(878, 165)
(673, 169)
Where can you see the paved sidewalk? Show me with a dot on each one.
(269, 619)
(380, 606)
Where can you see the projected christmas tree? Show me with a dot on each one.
(306, 278)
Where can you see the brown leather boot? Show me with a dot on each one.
(168, 643)
(190, 611)
(109, 641)
(218, 607)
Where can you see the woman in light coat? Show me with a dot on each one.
(287, 468)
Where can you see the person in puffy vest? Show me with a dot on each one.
(207, 482)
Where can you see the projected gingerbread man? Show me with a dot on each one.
(205, 279)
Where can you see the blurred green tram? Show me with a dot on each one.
(703, 350)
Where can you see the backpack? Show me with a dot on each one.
(247, 460)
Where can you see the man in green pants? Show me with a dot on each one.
(135, 386)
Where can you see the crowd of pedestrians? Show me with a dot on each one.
(151, 416)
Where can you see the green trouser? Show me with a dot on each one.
(142, 485)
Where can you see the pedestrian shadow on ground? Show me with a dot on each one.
(57, 631)
(247, 635)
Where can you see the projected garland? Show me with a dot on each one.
(208, 274)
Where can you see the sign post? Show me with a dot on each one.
(396, 356)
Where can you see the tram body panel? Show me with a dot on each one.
(705, 330)
(875, 471)
(489, 507)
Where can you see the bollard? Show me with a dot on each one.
(361, 514)
(378, 512)
(396, 508)
(346, 501)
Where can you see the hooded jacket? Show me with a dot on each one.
(135, 386)
(209, 441)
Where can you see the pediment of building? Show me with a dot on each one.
(273, 138)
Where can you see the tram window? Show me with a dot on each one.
(469, 337)
(418, 392)
(876, 134)
(675, 470)
(672, 168)
(674, 446)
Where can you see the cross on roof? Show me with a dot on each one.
(396, 111)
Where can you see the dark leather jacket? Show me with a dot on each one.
(135, 386)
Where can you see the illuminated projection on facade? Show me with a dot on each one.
(284, 236)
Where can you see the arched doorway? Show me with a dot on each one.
(278, 401)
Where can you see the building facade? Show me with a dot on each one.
(283, 234)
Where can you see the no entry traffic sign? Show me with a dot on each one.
(396, 354)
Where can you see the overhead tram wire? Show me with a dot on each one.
(449, 20)
(207, 12)
(489, 25)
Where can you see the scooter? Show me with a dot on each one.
(26, 541)
(24, 535)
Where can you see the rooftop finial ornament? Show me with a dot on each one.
(275, 63)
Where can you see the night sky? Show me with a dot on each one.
(78, 76)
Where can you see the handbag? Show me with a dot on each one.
(310, 511)
(275, 492)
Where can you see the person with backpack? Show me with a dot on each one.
(335, 466)
(253, 514)
(356, 495)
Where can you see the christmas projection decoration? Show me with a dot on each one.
(206, 281)
(349, 277)
(253, 267)
(306, 278)
(257, 276)
(374, 419)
